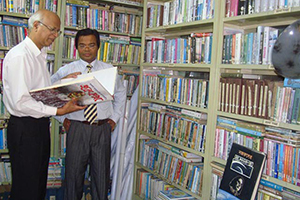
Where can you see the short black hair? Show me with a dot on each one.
(85, 32)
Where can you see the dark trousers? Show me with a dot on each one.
(87, 144)
(28, 142)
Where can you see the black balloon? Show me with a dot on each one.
(286, 52)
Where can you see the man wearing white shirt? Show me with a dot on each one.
(28, 136)
(89, 142)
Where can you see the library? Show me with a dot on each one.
(208, 114)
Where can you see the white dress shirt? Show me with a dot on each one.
(25, 69)
(108, 109)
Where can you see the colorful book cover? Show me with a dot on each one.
(175, 194)
(86, 88)
(242, 174)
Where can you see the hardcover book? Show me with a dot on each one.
(87, 88)
(242, 174)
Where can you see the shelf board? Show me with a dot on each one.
(182, 28)
(136, 197)
(172, 143)
(181, 66)
(102, 32)
(2, 117)
(271, 18)
(203, 110)
(124, 65)
(259, 121)
(5, 48)
(167, 180)
(249, 67)
(12, 14)
(136, 5)
(3, 150)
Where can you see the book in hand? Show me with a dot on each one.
(242, 174)
(174, 194)
(88, 88)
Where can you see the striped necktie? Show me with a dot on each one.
(90, 112)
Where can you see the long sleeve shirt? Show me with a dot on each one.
(25, 69)
(108, 109)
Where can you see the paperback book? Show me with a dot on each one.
(174, 194)
(88, 88)
(242, 174)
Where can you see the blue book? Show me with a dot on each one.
(74, 16)
(276, 164)
(175, 194)
(281, 161)
(289, 82)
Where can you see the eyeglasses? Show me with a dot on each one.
(83, 46)
(52, 30)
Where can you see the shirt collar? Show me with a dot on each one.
(86, 63)
(32, 46)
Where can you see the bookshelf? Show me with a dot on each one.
(220, 26)
(157, 68)
(275, 16)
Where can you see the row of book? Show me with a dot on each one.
(180, 126)
(3, 134)
(172, 165)
(176, 89)
(264, 98)
(104, 17)
(5, 169)
(251, 48)
(244, 7)
(28, 6)
(176, 12)
(11, 35)
(186, 49)
(113, 48)
(152, 187)
(280, 145)
(118, 22)
(55, 173)
(133, 81)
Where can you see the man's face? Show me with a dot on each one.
(48, 30)
(87, 48)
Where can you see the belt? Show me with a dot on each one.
(96, 123)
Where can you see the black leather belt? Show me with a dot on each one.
(96, 123)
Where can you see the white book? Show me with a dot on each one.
(238, 43)
(281, 4)
(204, 10)
(166, 13)
(265, 57)
(86, 88)
(257, 6)
(264, 5)
(296, 3)
(271, 5)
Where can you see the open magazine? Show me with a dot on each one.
(87, 88)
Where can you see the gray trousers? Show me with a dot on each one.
(87, 144)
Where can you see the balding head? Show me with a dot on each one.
(40, 15)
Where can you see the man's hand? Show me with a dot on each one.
(69, 107)
(72, 75)
(67, 124)
(112, 124)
